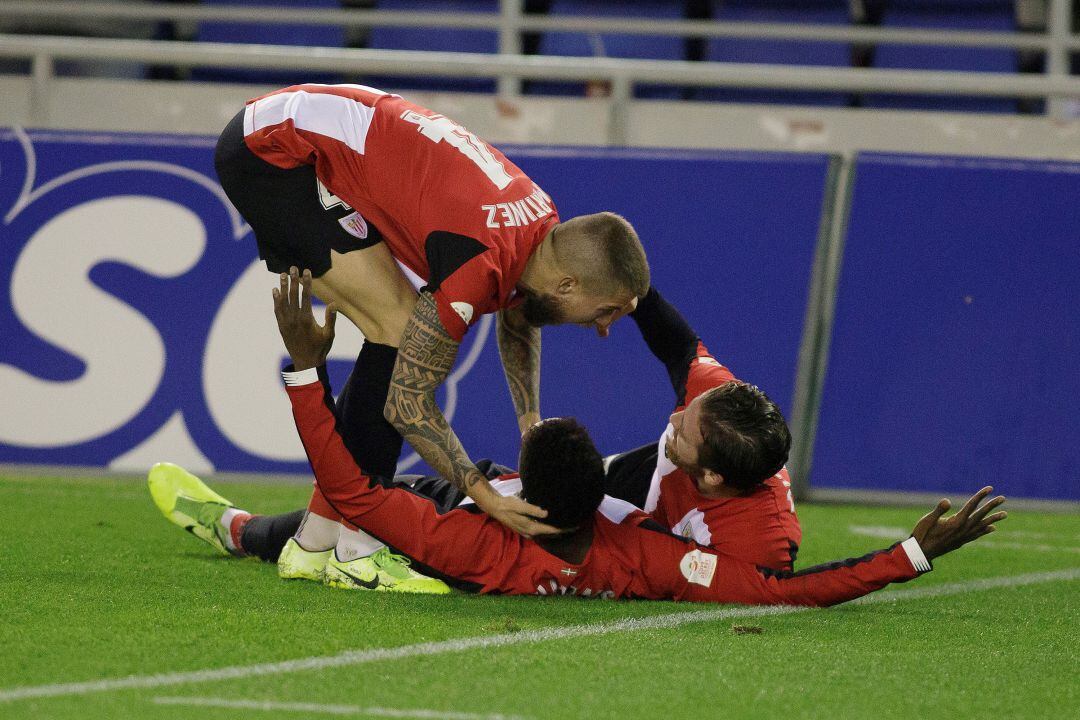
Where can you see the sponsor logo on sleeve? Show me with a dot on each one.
(698, 567)
(464, 310)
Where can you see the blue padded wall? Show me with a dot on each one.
(954, 358)
(730, 238)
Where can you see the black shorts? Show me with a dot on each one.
(291, 220)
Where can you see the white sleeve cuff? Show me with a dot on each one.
(916, 555)
(301, 377)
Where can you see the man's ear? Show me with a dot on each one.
(712, 479)
(567, 285)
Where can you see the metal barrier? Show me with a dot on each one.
(509, 66)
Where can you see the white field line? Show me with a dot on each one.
(359, 657)
(898, 533)
(274, 706)
(1041, 535)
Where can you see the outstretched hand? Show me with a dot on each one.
(306, 340)
(937, 536)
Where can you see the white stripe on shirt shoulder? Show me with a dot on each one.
(615, 509)
(341, 118)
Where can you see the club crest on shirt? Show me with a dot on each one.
(355, 225)
(698, 567)
(693, 527)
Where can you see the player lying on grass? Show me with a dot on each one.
(719, 480)
(717, 475)
(380, 198)
(562, 470)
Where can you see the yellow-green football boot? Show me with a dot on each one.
(296, 563)
(185, 500)
(383, 571)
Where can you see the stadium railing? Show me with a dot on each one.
(510, 67)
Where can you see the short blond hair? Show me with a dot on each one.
(605, 251)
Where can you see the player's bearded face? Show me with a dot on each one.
(678, 461)
(541, 309)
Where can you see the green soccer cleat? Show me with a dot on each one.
(296, 563)
(383, 571)
(185, 500)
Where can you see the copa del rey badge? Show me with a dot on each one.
(355, 225)
(698, 567)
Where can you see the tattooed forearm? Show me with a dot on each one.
(519, 347)
(424, 360)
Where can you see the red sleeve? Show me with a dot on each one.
(309, 124)
(686, 571)
(281, 145)
(705, 373)
(468, 293)
(459, 543)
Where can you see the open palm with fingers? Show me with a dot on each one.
(938, 535)
(306, 340)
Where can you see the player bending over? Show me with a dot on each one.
(382, 198)
(562, 470)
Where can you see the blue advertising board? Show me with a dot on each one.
(955, 351)
(137, 324)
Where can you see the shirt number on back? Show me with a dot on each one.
(439, 128)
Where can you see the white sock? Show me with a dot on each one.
(226, 521)
(317, 533)
(353, 544)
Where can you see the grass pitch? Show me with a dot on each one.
(95, 585)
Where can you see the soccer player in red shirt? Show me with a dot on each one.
(717, 475)
(382, 198)
(593, 556)
(747, 518)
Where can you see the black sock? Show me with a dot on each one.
(265, 535)
(372, 441)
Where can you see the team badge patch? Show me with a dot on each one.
(355, 225)
(698, 567)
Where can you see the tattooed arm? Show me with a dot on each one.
(519, 347)
(424, 360)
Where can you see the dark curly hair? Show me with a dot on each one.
(561, 471)
(746, 438)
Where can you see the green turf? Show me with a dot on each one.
(95, 584)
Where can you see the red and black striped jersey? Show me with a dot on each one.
(456, 214)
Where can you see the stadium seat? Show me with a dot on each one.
(984, 15)
(651, 47)
(270, 34)
(778, 52)
(437, 40)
